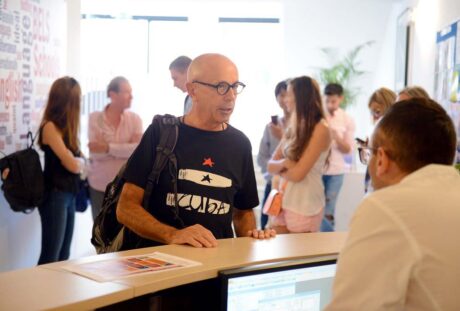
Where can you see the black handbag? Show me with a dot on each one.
(82, 199)
(23, 183)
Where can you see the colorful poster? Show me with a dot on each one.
(32, 50)
(113, 269)
(447, 74)
(445, 63)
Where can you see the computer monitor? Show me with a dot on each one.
(288, 285)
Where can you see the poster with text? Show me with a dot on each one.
(447, 74)
(32, 56)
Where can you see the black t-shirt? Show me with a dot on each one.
(56, 175)
(215, 174)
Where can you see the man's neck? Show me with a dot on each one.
(332, 112)
(114, 109)
(394, 176)
(202, 124)
(113, 114)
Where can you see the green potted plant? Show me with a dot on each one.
(343, 71)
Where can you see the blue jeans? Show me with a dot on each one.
(263, 217)
(57, 214)
(332, 185)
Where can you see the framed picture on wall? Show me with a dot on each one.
(447, 74)
(403, 48)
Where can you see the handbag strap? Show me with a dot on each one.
(283, 185)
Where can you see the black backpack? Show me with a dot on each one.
(108, 234)
(24, 186)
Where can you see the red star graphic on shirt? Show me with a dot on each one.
(208, 162)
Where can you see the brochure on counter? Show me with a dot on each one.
(117, 268)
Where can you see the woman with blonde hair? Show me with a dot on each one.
(411, 92)
(380, 101)
(58, 138)
(300, 158)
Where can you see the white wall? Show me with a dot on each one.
(311, 25)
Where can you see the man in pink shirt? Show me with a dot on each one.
(113, 133)
(343, 130)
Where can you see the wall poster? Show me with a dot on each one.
(447, 74)
(32, 56)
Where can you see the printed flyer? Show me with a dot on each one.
(116, 268)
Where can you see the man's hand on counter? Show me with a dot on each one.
(196, 235)
(262, 234)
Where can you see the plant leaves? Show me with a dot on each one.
(343, 71)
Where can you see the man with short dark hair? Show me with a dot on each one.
(178, 69)
(342, 129)
(402, 251)
(216, 181)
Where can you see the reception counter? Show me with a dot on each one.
(51, 287)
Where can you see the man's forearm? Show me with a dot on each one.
(136, 218)
(243, 221)
(121, 150)
(147, 226)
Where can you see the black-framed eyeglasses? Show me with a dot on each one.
(223, 87)
(365, 154)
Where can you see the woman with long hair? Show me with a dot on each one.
(300, 159)
(58, 138)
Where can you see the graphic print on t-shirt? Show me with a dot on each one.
(208, 162)
(205, 178)
(198, 203)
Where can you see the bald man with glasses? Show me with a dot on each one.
(216, 181)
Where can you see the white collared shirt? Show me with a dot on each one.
(403, 249)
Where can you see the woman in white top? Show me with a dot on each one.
(300, 158)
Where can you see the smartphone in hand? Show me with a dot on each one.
(275, 120)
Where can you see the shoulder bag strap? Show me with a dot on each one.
(168, 133)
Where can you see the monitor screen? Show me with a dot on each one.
(285, 285)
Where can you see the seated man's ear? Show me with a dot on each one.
(383, 162)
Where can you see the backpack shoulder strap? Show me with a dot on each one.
(168, 127)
